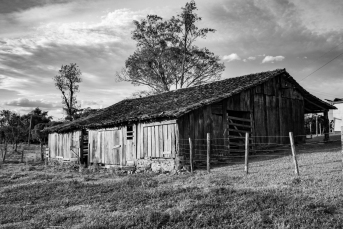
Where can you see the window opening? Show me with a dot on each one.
(129, 132)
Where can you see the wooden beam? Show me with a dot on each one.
(239, 131)
(240, 119)
(160, 123)
(314, 104)
(236, 124)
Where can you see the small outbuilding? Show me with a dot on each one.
(157, 128)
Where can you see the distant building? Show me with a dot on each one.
(337, 115)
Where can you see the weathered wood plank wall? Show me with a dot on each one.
(106, 146)
(64, 145)
(276, 108)
(158, 140)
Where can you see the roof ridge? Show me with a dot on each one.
(208, 83)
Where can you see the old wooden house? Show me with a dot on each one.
(268, 105)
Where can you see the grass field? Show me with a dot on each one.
(271, 196)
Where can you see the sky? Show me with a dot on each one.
(37, 37)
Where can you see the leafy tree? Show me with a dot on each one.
(35, 117)
(166, 56)
(12, 130)
(40, 135)
(67, 82)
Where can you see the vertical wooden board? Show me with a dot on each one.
(153, 143)
(106, 147)
(137, 141)
(165, 137)
(259, 116)
(58, 144)
(229, 103)
(94, 144)
(244, 98)
(272, 117)
(286, 119)
(180, 131)
(141, 140)
(157, 142)
(98, 148)
(172, 139)
(58, 140)
(66, 144)
(116, 152)
(177, 135)
(103, 147)
(149, 142)
(134, 142)
(266, 139)
(160, 140)
(277, 106)
(110, 147)
(124, 137)
(91, 146)
(145, 142)
(61, 146)
(196, 142)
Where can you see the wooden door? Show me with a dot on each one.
(130, 145)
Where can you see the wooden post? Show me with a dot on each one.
(317, 125)
(191, 154)
(326, 126)
(246, 167)
(311, 129)
(342, 145)
(208, 152)
(294, 153)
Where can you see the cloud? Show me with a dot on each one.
(231, 57)
(24, 102)
(251, 58)
(272, 59)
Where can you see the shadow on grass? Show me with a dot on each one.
(140, 202)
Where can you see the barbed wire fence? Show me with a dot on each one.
(209, 152)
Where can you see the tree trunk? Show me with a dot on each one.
(41, 151)
(22, 156)
(16, 147)
(4, 152)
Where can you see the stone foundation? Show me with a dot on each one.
(156, 165)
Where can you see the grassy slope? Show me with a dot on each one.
(270, 196)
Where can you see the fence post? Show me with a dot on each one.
(208, 152)
(246, 167)
(191, 154)
(342, 145)
(294, 153)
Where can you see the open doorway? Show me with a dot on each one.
(238, 123)
(84, 148)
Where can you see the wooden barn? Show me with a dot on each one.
(268, 105)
